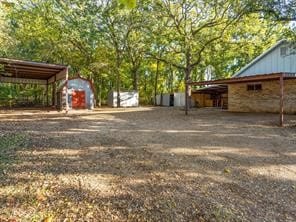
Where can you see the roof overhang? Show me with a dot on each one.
(254, 78)
(215, 89)
(19, 71)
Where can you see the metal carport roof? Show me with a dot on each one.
(20, 71)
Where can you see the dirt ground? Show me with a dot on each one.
(146, 164)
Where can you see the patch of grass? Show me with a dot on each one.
(221, 213)
(8, 141)
(8, 145)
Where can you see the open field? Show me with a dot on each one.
(147, 164)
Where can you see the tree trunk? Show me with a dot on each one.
(156, 81)
(118, 80)
(100, 92)
(171, 80)
(145, 84)
(187, 76)
(135, 78)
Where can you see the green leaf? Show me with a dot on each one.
(129, 3)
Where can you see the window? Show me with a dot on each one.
(254, 87)
(283, 51)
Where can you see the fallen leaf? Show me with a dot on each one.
(40, 197)
(226, 170)
(47, 219)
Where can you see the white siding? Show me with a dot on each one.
(166, 99)
(179, 99)
(158, 100)
(127, 99)
(272, 62)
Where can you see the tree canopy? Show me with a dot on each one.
(150, 46)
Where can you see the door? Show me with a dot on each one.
(171, 99)
(78, 99)
(216, 98)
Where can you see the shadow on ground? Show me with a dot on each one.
(147, 164)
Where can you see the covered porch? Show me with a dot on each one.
(211, 96)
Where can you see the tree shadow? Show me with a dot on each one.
(152, 165)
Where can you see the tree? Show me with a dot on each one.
(153, 46)
(280, 10)
(116, 30)
(239, 45)
(192, 26)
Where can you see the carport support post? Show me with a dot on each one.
(281, 100)
(53, 93)
(67, 97)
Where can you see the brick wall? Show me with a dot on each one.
(265, 100)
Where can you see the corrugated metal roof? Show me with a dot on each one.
(260, 57)
(211, 89)
(252, 78)
(15, 68)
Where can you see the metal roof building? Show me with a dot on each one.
(266, 84)
(281, 58)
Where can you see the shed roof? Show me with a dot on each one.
(63, 83)
(14, 68)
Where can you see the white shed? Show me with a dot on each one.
(80, 94)
(173, 99)
(179, 99)
(127, 99)
(167, 99)
(158, 100)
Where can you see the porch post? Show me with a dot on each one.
(281, 100)
(47, 93)
(53, 93)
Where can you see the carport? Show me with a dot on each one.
(214, 94)
(28, 72)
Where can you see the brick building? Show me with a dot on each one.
(258, 87)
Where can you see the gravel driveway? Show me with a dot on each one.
(146, 164)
